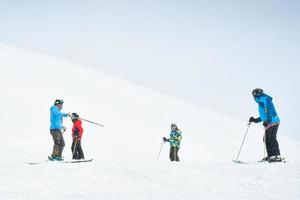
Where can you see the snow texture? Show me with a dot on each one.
(125, 150)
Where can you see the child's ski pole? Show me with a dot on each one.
(160, 150)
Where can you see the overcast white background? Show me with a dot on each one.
(211, 53)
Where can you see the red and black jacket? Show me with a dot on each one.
(77, 130)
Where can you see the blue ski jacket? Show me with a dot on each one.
(56, 117)
(266, 109)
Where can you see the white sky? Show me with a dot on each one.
(212, 53)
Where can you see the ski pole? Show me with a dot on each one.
(91, 122)
(64, 129)
(74, 148)
(160, 150)
(243, 141)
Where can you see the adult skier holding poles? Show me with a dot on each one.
(271, 123)
(174, 140)
(56, 119)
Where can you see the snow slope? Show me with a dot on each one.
(125, 150)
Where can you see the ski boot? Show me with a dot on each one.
(265, 159)
(275, 159)
(56, 158)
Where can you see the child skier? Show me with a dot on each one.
(77, 131)
(174, 140)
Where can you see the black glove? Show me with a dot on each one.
(265, 124)
(252, 119)
(255, 120)
(165, 139)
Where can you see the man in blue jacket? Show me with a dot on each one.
(270, 119)
(56, 119)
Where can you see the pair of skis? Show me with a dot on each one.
(260, 161)
(63, 161)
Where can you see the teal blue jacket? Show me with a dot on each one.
(266, 109)
(56, 117)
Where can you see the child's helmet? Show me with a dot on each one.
(173, 124)
(74, 117)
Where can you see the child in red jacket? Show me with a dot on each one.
(77, 131)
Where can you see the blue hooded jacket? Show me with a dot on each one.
(266, 109)
(56, 117)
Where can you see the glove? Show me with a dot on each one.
(265, 124)
(64, 128)
(252, 119)
(165, 139)
(255, 120)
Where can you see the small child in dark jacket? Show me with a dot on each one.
(77, 132)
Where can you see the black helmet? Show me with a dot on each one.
(58, 101)
(74, 117)
(257, 92)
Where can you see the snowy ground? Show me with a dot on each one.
(135, 120)
(141, 181)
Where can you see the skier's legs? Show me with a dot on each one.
(74, 152)
(172, 154)
(177, 157)
(272, 141)
(55, 133)
(267, 142)
(79, 150)
(61, 143)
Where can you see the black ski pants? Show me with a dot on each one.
(174, 154)
(59, 142)
(271, 141)
(77, 150)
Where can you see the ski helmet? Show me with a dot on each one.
(257, 92)
(173, 125)
(74, 117)
(58, 101)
